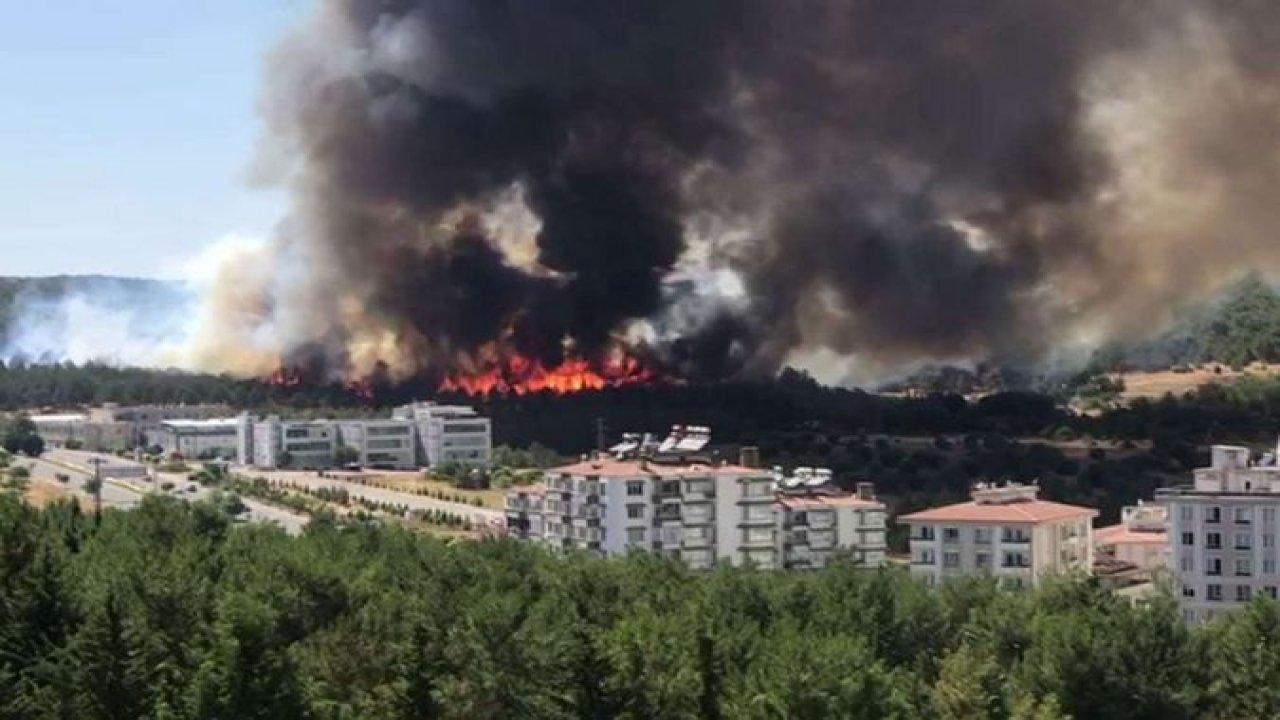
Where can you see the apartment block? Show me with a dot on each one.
(1006, 532)
(657, 498)
(1222, 532)
(816, 530)
(1140, 539)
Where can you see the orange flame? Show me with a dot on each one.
(519, 375)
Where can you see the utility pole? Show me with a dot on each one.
(600, 435)
(97, 484)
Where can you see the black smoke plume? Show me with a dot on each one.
(884, 182)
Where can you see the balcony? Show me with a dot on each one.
(695, 542)
(1015, 539)
(754, 541)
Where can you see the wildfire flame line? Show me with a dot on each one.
(519, 375)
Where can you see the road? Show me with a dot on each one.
(126, 493)
(113, 495)
(478, 516)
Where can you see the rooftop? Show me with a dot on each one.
(613, 468)
(1023, 512)
(822, 502)
(60, 418)
(213, 424)
(1124, 535)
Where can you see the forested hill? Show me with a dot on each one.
(1241, 327)
(19, 295)
(171, 611)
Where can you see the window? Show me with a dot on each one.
(1268, 540)
(1187, 512)
(950, 535)
(1187, 563)
(1188, 591)
(1270, 591)
(635, 487)
(635, 512)
(982, 560)
(1244, 593)
(982, 535)
(1188, 538)
(670, 487)
(1244, 541)
(1213, 592)
(1244, 567)
(1213, 515)
(700, 486)
(1268, 515)
(635, 535)
(1243, 515)
(1014, 535)
(925, 533)
(1213, 566)
(1213, 540)
(924, 557)
(1015, 560)
(951, 559)
(1268, 566)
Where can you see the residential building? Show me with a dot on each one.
(667, 497)
(1222, 532)
(819, 525)
(1141, 539)
(1006, 532)
(449, 433)
(203, 439)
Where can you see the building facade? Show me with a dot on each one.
(449, 434)
(1222, 532)
(1141, 539)
(112, 427)
(1006, 532)
(702, 512)
(815, 528)
(203, 439)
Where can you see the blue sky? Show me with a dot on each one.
(126, 129)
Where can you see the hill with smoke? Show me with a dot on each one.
(721, 188)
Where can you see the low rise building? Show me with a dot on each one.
(817, 527)
(76, 430)
(1006, 532)
(1141, 538)
(449, 434)
(202, 439)
(1222, 532)
(112, 427)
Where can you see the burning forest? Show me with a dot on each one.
(493, 196)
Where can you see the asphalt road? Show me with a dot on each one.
(127, 492)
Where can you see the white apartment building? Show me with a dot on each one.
(449, 433)
(1006, 531)
(815, 528)
(700, 511)
(1222, 532)
(1141, 539)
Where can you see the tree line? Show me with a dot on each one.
(173, 611)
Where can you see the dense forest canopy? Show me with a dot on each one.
(172, 611)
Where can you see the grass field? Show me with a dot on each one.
(413, 482)
(41, 493)
(1157, 384)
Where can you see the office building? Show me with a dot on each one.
(1004, 531)
(199, 439)
(448, 434)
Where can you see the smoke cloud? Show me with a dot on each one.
(739, 184)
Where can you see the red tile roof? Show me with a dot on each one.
(1030, 512)
(1122, 535)
(611, 468)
